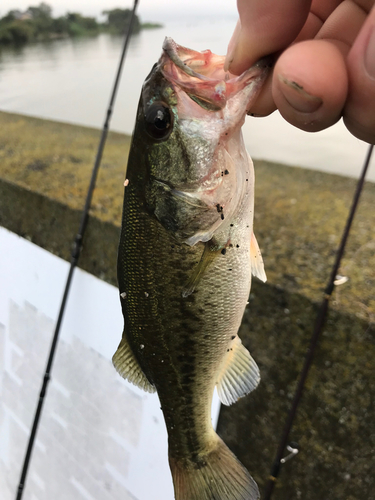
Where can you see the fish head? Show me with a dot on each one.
(190, 117)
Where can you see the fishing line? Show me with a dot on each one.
(319, 324)
(75, 257)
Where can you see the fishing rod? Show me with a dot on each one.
(76, 252)
(318, 328)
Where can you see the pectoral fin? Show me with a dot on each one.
(239, 374)
(128, 367)
(208, 256)
(257, 266)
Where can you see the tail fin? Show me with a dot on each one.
(220, 476)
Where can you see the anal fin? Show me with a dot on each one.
(128, 367)
(257, 266)
(239, 374)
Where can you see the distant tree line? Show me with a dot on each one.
(37, 23)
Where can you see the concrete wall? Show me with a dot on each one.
(299, 218)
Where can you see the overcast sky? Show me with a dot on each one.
(146, 8)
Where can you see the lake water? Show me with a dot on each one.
(71, 80)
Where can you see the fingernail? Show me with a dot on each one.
(297, 96)
(370, 54)
(232, 46)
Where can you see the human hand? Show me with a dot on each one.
(329, 73)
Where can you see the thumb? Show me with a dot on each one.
(265, 27)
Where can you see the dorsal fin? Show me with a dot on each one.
(239, 374)
(128, 367)
(257, 266)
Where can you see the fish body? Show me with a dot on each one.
(186, 256)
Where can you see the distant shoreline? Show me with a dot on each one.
(36, 24)
(151, 26)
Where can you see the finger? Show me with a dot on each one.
(359, 112)
(319, 12)
(264, 104)
(266, 26)
(310, 84)
(344, 23)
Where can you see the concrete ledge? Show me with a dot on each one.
(44, 176)
(300, 214)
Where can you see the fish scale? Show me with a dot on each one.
(185, 261)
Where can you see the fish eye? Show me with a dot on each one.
(158, 121)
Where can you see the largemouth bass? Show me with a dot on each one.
(187, 252)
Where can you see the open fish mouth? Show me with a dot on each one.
(201, 74)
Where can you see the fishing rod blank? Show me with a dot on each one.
(74, 258)
(319, 324)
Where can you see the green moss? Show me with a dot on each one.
(299, 218)
(56, 160)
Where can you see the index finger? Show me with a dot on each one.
(265, 27)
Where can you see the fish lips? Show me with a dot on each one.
(201, 74)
